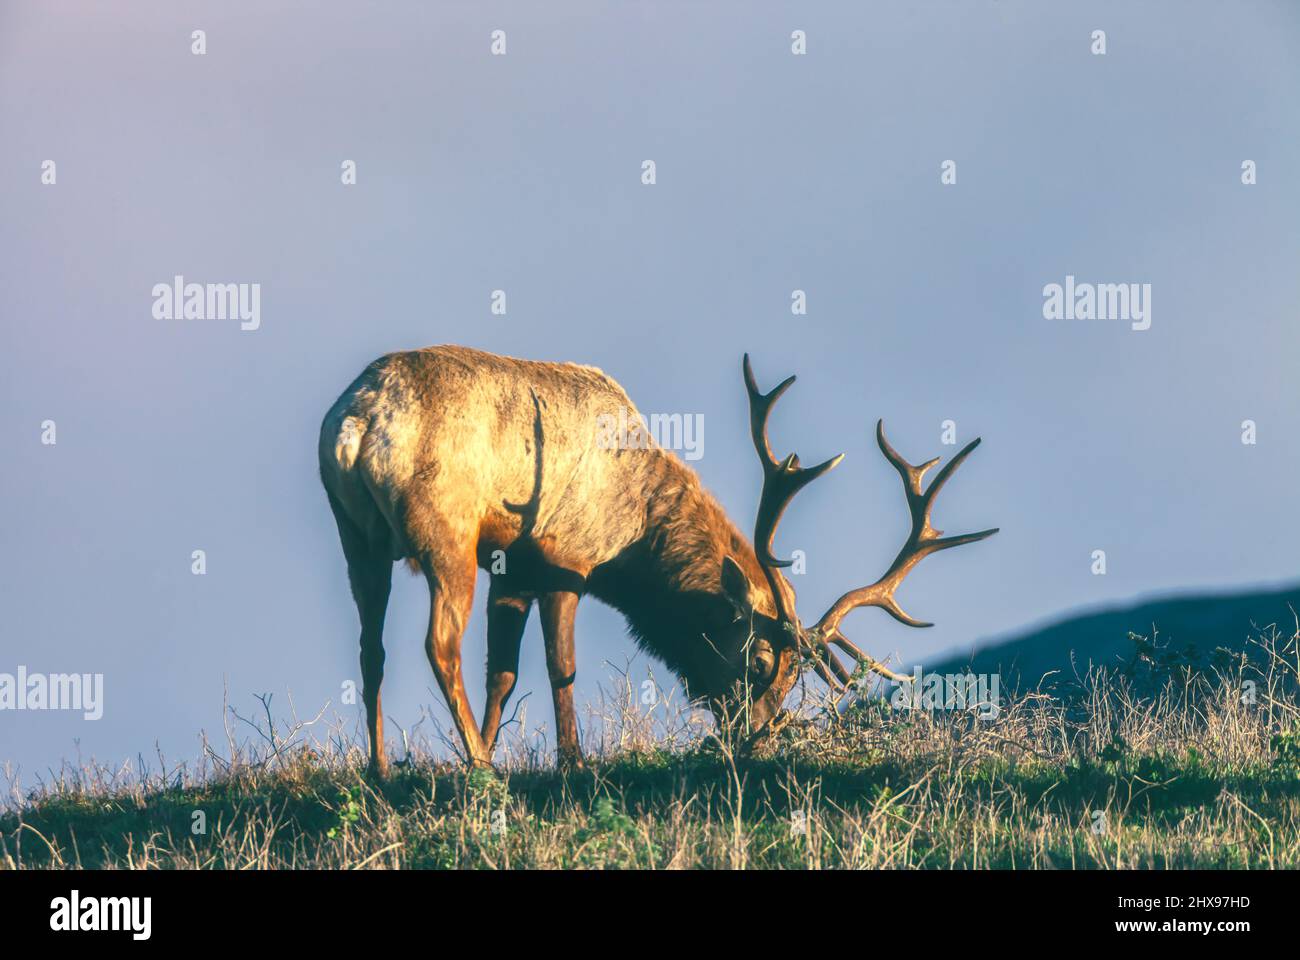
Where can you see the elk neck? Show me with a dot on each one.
(668, 582)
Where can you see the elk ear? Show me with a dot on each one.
(735, 587)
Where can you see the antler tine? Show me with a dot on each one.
(828, 665)
(781, 479)
(875, 666)
(922, 541)
(914, 475)
(760, 408)
(829, 668)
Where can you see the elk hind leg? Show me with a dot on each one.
(370, 571)
(451, 594)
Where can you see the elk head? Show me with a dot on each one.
(778, 646)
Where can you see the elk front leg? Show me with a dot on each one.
(558, 610)
(451, 593)
(507, 615)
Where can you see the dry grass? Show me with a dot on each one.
(1162, 763)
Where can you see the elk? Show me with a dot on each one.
(454, 459)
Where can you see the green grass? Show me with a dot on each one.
(1102, 776)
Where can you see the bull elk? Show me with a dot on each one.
(451, 458)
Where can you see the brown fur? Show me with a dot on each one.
(450, 457)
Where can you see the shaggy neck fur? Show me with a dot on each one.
(668, 584)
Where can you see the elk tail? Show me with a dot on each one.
(347, 445)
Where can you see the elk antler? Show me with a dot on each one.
(922, 541)
(781, 481)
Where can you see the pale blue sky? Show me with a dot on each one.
(522, 172)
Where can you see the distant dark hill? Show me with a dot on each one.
(1101, 637)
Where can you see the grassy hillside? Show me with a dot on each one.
(1196, 775)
